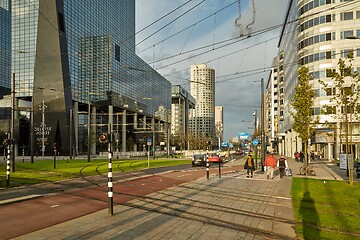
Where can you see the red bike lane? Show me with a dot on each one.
(28, 216)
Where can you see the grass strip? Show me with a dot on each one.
(43, 171)
(326, 209)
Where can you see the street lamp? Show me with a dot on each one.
(255, 124)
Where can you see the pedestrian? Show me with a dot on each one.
(270, 165)
(250, 166)
(301, 156)
(282, 165)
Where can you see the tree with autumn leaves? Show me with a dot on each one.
(303, 102)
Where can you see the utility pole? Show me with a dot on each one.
(12, 131)
(42, 109)
(263, 140)
(32, 131)
(88, 132)
(255, 147)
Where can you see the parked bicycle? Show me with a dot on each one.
(307, 169)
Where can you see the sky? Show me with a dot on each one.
(174, 34)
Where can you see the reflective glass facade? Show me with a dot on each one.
(101, 53)
(5, 46)
(83, 51)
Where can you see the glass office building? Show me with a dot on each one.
(69, 55)
(5, 47)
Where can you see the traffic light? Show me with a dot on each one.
(5, 142)
(103, 138)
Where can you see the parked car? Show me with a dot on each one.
(214, 158)
(199, 160)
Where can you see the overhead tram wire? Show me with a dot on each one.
(157, 20)
(329, 9)
(205, 52)
(181, 15)
(186, 28)
(259, 32)
(344, 4)
(255, 34)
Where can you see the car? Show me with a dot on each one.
(214, 158)
(199, 160)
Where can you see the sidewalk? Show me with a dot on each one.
(230, 207)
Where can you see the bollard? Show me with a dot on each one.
(8, 167)
(55, 156)
(207, 164)
(110, 186)
(219, 154)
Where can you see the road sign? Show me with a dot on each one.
(148, 140)
(244, 136)
(255, 142)
(225, 144)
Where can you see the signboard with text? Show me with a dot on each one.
(244, 136)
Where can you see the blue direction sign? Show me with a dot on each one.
(225, 144)
(243, 136)
(255, 142)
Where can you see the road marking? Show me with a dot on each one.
(54, 206)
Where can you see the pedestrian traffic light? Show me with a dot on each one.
(103, 138)
(5, 142)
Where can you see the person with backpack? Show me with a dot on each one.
(282, 165)
(250, 166)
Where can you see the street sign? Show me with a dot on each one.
(255, 142)
(244, 136)
(148, 140)
(225, 144)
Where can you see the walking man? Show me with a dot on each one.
(270, 165)
(282, 165)
(250, 166)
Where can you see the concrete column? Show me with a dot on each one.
(93, 131)
(144, 122)
(153, 132)
(123, 131)
(167, 129)
(76, 127)
(135, 120)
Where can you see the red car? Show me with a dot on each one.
(214, 158)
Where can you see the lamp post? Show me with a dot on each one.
(263, 141)
(42, 108)
(255, 149)
(88, 132)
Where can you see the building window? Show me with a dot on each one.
(346, 16)
(117, 52)
(347, 33)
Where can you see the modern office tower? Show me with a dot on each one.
(316, 34)
(5, 47)
(202, 88)
(182, 103)
(219, 121)
(76, 61)
(273, 99)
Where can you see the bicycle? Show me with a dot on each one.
(307, 169)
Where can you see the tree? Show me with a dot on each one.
(346, 84)
(303, 103)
